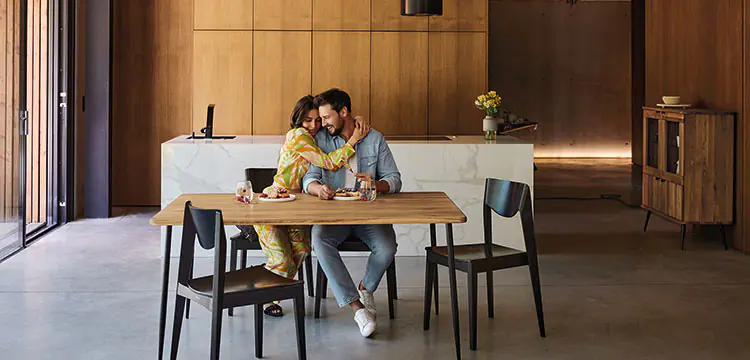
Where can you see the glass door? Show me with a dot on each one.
(652, 143)
(13, 125)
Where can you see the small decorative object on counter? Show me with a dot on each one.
(489, 103)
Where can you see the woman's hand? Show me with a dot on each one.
(361, 129)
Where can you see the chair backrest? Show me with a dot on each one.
(260, 178)
(504, 197)
(207, 224)
(508, 198)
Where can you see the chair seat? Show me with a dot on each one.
(475, 252)
(247, 279)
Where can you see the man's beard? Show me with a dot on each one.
(335, 132)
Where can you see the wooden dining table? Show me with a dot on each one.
(428, 208)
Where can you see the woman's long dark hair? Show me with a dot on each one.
(301, 109)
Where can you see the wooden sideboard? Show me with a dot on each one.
(688, 167)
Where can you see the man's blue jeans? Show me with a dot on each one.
(381, 239)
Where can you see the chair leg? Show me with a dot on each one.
(319, 289)
(490, 296)
(216, 315)
(324, 295)
(723, 237)
(391, 280)
(258, 331)
(309, 271)
(429, 273)
(179, 306)
(243, 261)
(472, 275)
(299, 317)
(232, 267)
(537, 287)
(435, 285)
(187, 302)
(648, 217)
(395, 285)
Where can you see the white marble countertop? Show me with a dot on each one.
(278, 139)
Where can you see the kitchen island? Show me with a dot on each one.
(456, 165)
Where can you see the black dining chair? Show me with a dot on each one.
(505, 198)
(223, 289)
(247, 238)
(355, 244)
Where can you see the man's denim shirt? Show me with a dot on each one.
(373, 157)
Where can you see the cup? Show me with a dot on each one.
(368, 190)
(244, 192)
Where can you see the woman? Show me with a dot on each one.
(287, 246)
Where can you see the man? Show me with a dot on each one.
(373, 158)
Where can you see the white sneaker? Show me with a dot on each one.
(368, 300)
(366, 322)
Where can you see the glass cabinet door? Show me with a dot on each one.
(673, 147)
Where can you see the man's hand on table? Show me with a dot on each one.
(323, 192)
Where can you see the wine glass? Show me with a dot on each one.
(368, 190)
(244, 192)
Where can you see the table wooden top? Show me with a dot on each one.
(401, 208)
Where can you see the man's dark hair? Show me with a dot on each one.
(301, 109)
(337, 98)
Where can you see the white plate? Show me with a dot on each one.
(347, 198)
(290, 198)
(674, 106)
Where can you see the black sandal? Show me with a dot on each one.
(273, 310)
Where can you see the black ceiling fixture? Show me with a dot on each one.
(421, 7)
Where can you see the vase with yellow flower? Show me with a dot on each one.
(489, 103)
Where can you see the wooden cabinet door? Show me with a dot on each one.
(458, 74)
(282, 75)
(226, 81)
(283, 14)
(223, 15)
(342, 60)
(399, 90)
(341, 15)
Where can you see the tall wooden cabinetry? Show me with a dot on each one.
(688, 166)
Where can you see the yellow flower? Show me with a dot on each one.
(492, 93)
(482, 98)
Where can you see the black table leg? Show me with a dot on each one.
(164, 288)
(454, 290)
(723, 237)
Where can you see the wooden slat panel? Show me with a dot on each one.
(282, 74)
(14, 188)
(342, 59)
(226, 81)
(283, 15)
(399, 91)
(573, 60)
(341, 14)
(386, 15)
(461, 15)
(223, 14)
(41, 187)
(32, 197)
(6, 104)
(458, 63)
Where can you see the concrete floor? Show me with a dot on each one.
(90, 290)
